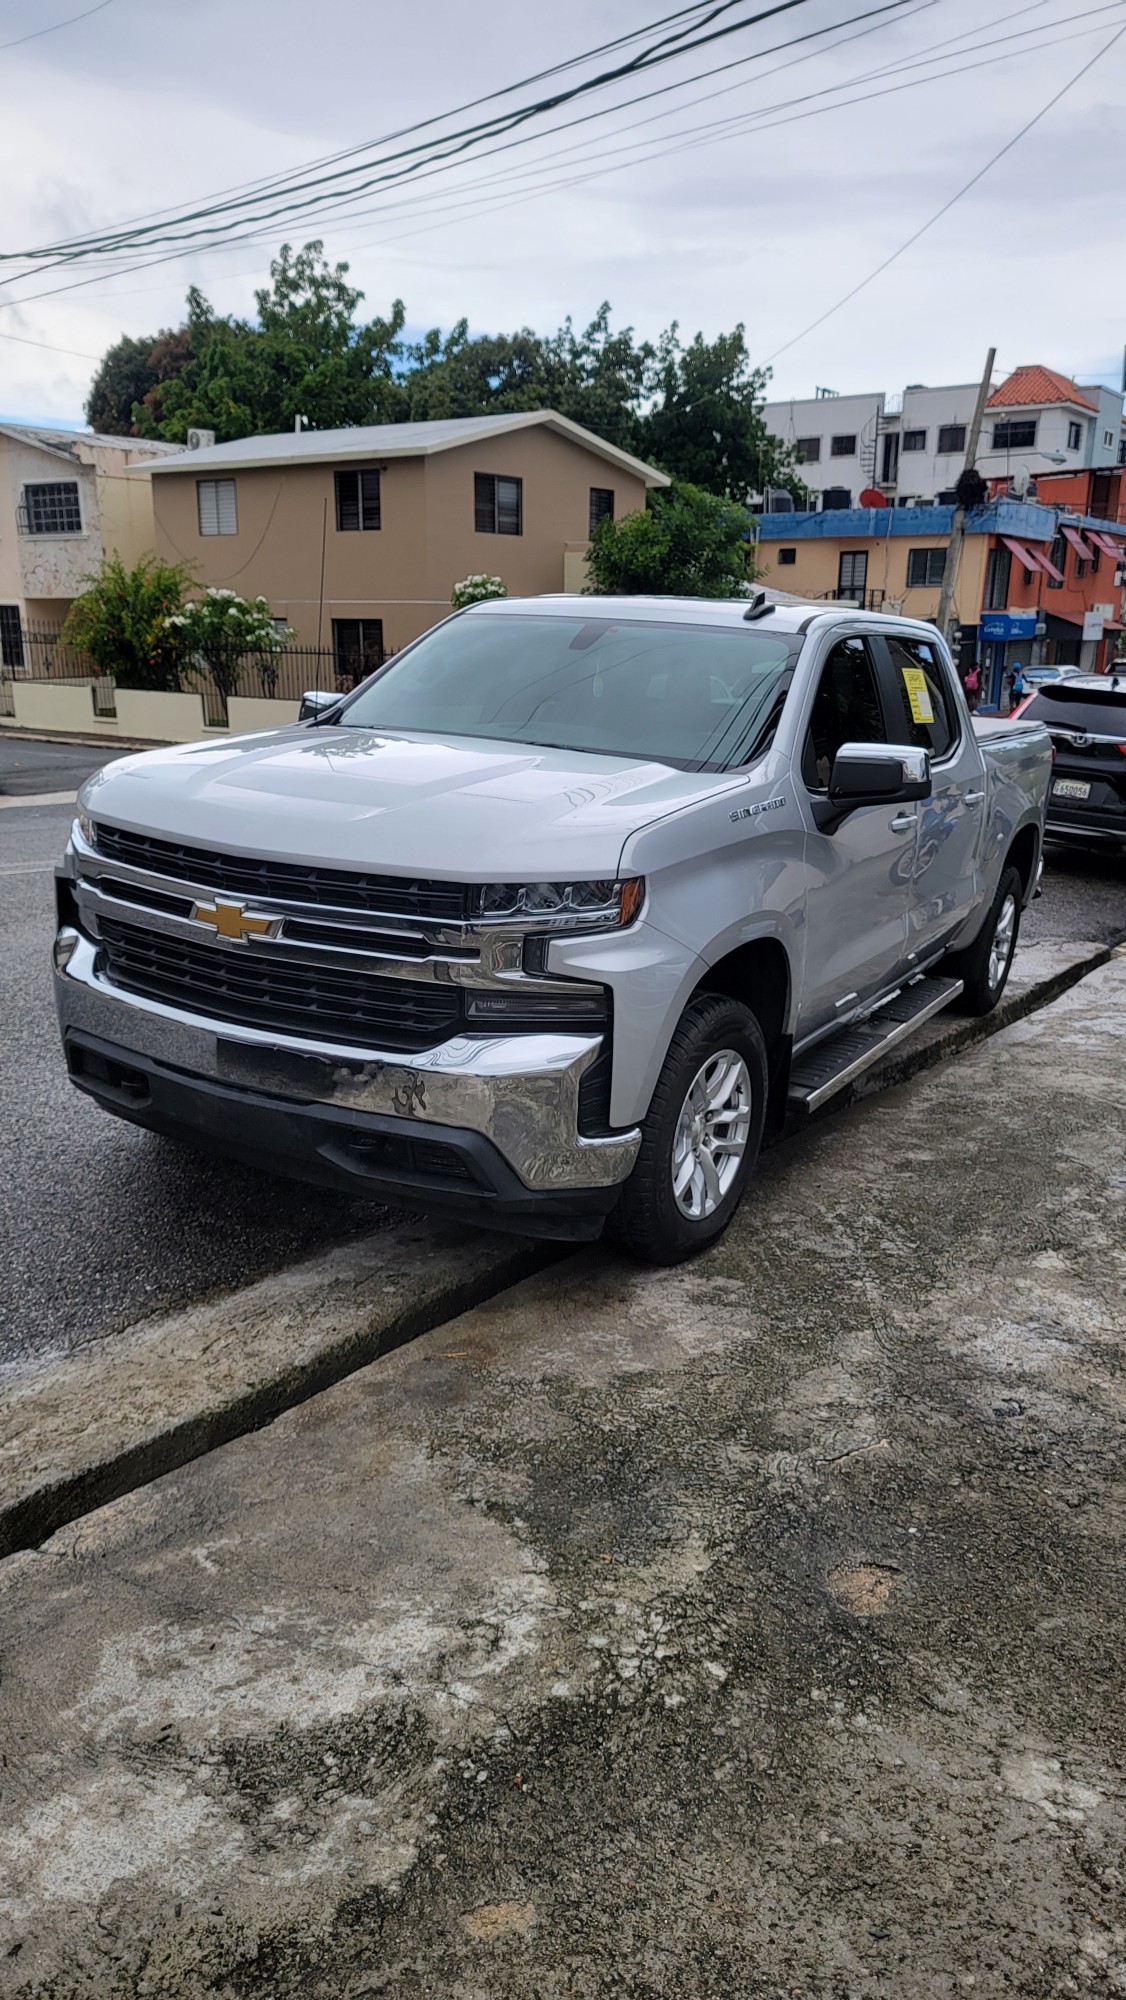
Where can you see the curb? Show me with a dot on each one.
(74, 736)
(75, 1434)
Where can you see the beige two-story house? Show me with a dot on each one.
(65, 503)
(357, 537)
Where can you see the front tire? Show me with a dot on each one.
(985, 965)
(701, 1138)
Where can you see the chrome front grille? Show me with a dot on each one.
(287, 881)
(267, 988)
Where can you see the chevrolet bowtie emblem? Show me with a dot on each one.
(234, 920)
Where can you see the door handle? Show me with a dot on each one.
(903, 822)
(973, 798)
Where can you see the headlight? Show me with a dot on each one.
(85, 826)
(562, 905)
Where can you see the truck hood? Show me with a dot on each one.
(455, 808)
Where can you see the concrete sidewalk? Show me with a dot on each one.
(750, 1630)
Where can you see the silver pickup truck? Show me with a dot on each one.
(555, 918)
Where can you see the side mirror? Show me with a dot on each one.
(877, 774)
(316, 702)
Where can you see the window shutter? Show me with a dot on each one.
(347, 501)
(218, 512)
(369, 499)
(601, 505)
(509, 506)
(484, 503)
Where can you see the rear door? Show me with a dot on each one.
(858, 879)
(926, 709)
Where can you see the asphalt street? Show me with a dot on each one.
(104, 1223)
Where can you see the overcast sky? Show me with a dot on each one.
(148, 104)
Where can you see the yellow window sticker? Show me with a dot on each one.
(918, 693)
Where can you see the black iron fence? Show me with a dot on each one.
(37, 653)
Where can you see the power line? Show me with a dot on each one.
(402, 164)
(70, 21)
(26, 341)
(954, 198)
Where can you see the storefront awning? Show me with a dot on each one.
(1032, 559)
(1107, 542)
(1073, 536)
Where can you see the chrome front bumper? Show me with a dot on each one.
(518, 1091)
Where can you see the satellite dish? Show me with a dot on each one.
(872, 497)
(1020, 481)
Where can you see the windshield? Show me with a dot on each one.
(695, 696)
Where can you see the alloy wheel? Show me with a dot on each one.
(711, 1134)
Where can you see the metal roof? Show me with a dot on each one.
(414, 440)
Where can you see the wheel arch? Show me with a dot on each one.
(759, 975)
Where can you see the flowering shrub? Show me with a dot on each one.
(477, 590)
(122, 621)
(220, 628)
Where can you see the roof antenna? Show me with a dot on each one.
(758, 607)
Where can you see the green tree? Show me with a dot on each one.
(218, 631)
(706, 423)
(683, 543)
(304, 356)
(121, 621)
(132, 373)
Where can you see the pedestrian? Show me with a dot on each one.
(1016, 692)
(972, 685)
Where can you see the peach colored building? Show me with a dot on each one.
(357, 537)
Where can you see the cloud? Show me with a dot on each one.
(142, 108)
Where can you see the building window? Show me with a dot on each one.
(1015, 434)
(843, 446)
(925, 568)
(891, 458)
(358, 646)
(1075, 437)
(914, 440)
(1096, 558)
(786, 556)
(1057, 555)
(11, 636)
(498, 504)
(834, 498)
(951, 437)
(52, 509)
(1122, 451)
(218, 512)
(601, 505)
(947, 498)
(852, 574)
(808, 450)
(357, 501)
(997, 575)
(1108, 440)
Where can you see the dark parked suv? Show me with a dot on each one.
(1086, 718)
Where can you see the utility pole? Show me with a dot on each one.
(958, 525)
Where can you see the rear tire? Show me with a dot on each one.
(985, 964)
(701, 1137)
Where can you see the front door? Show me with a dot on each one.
(858, 878)
(925, 710)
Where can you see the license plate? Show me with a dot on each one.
(1071, 788)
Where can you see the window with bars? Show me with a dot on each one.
(601, 505)
(11, 636)
(358, 646)
(843, 446)
(1057, 556)
(808, 450)
(787, 556)
(498, 504)
(52, 508)
(951, 437)
(852, 574)
(914, 440)
(218, 507)
(997, 574)
(924, 568)
(357, 501)
(1014, 434)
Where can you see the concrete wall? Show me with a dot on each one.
(67, 708)
(403, 572)
(816, 568)
(826, 417)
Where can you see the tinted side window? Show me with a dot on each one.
(922, 708)
(846, 709)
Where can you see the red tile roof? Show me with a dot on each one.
(1028, 386)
